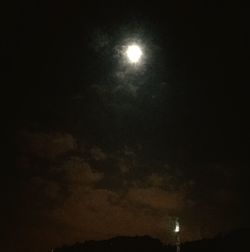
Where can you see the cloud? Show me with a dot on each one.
(100, 214)
(97, 153)
(156, 180)
(156, 198)
(76, 170)
(46, 145)
(124, 168)
(74, 195)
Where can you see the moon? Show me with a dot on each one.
(134, 53)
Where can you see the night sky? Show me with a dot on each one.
(98, 147)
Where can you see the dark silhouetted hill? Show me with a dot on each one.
(121, 244)
(233, 242)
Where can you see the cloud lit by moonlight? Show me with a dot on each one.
(134, 53)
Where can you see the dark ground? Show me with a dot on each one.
(235, 241)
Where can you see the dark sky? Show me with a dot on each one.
(97, 147)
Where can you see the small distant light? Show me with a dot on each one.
(177, 227)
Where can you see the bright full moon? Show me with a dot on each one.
(134, 53)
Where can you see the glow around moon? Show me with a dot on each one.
(134, 53)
